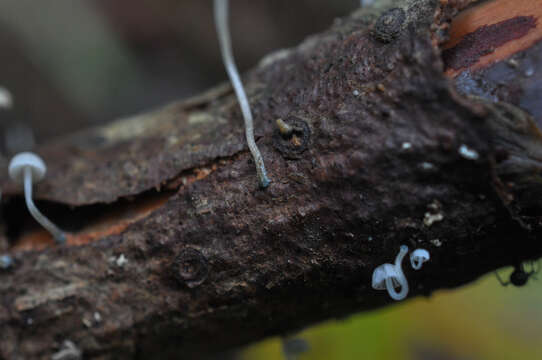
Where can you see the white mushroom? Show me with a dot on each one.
(222, 28)
(391, 277)
(381, 273)
(418, 257)
(24, 168)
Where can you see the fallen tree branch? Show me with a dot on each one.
(174, 249)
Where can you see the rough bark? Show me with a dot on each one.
(175, 251)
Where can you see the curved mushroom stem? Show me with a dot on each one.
(58, 234)
(403, 250)
(221, 21)
(416, 263)
(401, 279)
(391, 289)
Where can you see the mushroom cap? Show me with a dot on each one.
(420, 254)
(418, 257)
(381, 273)
(22, 160)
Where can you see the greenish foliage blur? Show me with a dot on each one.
(481, 321)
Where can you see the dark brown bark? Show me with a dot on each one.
(213, 261)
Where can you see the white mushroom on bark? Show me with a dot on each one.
(26, 168)
(224, 39)
(418, 257)
(391, 276)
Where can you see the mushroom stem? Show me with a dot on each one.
(221, 21)
(58, 234)
(418, 257)
(401, 279)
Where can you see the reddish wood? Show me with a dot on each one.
(489, 14)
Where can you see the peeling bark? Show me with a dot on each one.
(189, 256)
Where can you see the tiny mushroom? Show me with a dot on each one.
(222, 28)
(25, 168)
(391, 276)
(418, 257)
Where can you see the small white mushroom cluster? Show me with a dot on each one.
(390, 277)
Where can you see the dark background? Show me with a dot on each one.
(71, 64)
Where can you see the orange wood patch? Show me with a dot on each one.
(491, 17)
(117, 218)
(112, 223)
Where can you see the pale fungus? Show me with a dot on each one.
(468, 153)
(221, 21)
(26, 168)
(418, 257)
(391, 276)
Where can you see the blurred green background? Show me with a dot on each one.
(480, 321)
(71, 64)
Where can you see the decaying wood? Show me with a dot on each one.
(175, 251)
